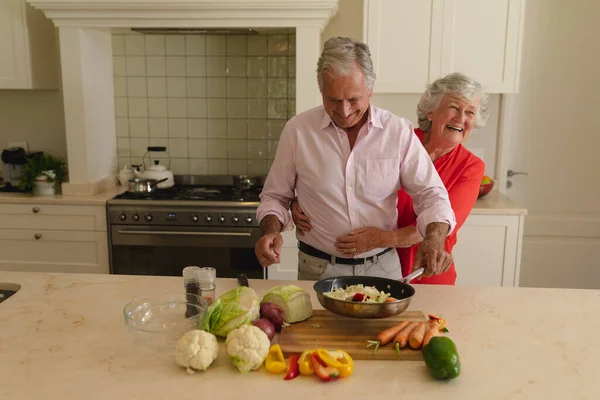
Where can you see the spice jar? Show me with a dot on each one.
(191, 282)
(207, 277)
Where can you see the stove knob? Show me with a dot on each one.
(135, 217)
(235, 219)
(248, 220)
(195, 218)
(208, 218)
(148, 217)
(122, 217)
(221, 219)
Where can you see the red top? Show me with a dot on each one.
(461, 172)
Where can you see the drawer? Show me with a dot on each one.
(53, 251)
(53, 217)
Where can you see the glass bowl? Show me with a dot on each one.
(159, 322)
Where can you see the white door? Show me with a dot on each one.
(13, 62)
(552, 131)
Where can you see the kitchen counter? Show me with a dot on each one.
(496, 203)
(62, 336)
(99, 199)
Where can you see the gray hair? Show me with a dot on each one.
(454, 84)
(339, 56)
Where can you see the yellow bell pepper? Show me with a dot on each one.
(338, 359)
(275, 362)
(304, 363)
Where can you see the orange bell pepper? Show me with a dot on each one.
(305, 364)
(337, 359)
(275, 362)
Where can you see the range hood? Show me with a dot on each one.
(85, 32)
(195, 31)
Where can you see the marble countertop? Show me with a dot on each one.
(62, 336)
(494, 203)
(99, 199)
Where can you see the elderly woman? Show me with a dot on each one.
(448, 111)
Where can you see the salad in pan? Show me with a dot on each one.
(359, 293)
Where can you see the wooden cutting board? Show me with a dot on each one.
(331, 331)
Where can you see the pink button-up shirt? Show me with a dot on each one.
(343, 189)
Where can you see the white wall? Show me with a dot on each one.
(35, 116)
(555, 137)
(349, 22)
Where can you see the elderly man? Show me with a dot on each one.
(346, 161)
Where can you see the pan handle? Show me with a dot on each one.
(153, 184)
(413, 275)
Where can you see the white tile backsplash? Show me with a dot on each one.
(157, 107)
(195, 45)
(136, 66)
(217, 128)
(176, 87)
(135, 45)
(136, 87)
(178, 128)
(155, 45)
(138, 127)
(175, 45)
(157, 87)
(218, 103)
(158, 127)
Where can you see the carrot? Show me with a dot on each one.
(433, 330)
(389, 334)
(390, 300)
(415, 338)
(402, 336)
(386, 336)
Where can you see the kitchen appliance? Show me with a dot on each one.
(201, 220)
(398, 289)
(14, 160)
(327, 330)
(144, 186)
(154, 170)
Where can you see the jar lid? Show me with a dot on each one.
(191, 273)
(207, 274)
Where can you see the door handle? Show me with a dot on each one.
(510, 173)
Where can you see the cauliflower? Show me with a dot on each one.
(196, 350)
(247, 346)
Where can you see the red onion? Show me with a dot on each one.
(273, 313)
(266, 326)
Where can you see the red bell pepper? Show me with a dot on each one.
(322, 370)
(293, 368)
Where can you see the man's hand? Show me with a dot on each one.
(431, 252)
(360, 241)
(268, 249)
(301, 220)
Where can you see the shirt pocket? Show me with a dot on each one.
(382, 177)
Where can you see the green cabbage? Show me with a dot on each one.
(293, 300)
(231, 310)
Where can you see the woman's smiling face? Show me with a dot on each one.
(453, 119)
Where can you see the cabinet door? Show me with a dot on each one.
(53, 251)
(487, 251)
(28, 47)
(13, 45)
(288, 268)
(481, 39)
(399, 34)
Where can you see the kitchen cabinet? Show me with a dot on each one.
(29, 48)
(414, 42)
(53, 238)
(488, 252)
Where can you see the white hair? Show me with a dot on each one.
(339, 56)
(453, 84)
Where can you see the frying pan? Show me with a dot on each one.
(398, 289)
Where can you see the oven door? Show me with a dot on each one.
(166, 250)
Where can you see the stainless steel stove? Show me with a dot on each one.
(202, 220)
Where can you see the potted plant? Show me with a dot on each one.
(42, 173)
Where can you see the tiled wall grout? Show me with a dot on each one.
(207, 142)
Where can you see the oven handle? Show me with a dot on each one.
(183, 233)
